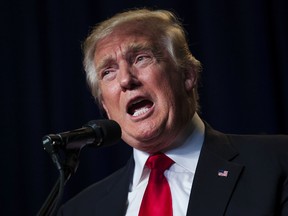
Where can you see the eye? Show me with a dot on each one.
(142, 59)
(104, 73)
(107, 74)
(139, 58)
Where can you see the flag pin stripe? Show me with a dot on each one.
(223, 173)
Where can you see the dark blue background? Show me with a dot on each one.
(244, 86)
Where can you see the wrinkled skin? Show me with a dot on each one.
(142, 90)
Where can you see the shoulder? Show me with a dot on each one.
(96, 190)
(100, 194)
(268, 153)
(99, 188)
(249, 149)
(274, 143)
(251, 141)
(265, 138)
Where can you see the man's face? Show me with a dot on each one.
(142, 91)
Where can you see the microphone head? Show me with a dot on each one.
(110, 129)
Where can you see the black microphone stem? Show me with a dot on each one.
(55, 203)
(97, 133)
(50, 205)
(66, 169)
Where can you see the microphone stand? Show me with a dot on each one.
(51, 203)
(66, 168)
(95, 133)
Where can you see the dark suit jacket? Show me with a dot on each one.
(256, 183)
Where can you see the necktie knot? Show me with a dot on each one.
(159, 161)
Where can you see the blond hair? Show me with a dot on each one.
(161, 25)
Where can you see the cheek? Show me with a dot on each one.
(109, 93)
(108, 100)
(106, 110)
(112, 105)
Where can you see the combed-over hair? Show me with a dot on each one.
(161, 25)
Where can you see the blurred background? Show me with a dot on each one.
(242, 45)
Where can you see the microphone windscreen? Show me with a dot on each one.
(111, 131)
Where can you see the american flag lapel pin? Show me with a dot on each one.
(223, 173)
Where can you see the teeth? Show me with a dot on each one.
(140, 111)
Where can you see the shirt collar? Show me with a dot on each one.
(185, 155)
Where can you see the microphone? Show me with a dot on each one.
(96, 133)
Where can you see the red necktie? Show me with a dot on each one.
(157, 200)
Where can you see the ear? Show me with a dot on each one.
(190, 80)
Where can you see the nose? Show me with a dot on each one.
(127, 77)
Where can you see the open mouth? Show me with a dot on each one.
(139, 107)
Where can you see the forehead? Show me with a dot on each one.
(120, 43)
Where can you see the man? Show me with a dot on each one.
(143, 75)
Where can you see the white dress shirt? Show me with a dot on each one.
(179, 176)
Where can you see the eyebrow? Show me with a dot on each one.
(104, 62)
(137, 47)
(131, 49)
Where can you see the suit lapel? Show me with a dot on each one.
(115, 200)
(216, 176)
